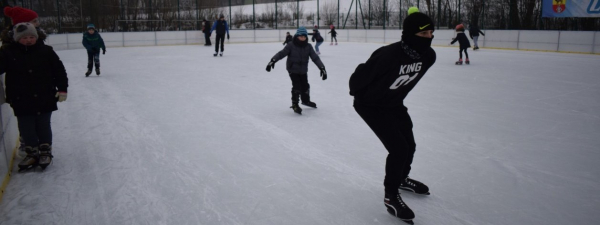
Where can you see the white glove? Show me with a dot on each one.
(62, 96)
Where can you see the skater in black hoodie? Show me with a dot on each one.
(464, 44)
(379, 87)
(297, 54)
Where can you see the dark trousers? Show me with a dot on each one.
(333, 37)
(207, 39)
(300, 87)
(93, 58)
(35, 130)
(393, 127)
(220, 37)
(460, 52)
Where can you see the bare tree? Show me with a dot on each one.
(329, 12)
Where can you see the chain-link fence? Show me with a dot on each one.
(67, 16)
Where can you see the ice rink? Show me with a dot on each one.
(172, 135)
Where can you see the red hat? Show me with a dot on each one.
(20, 15)
(460, 27)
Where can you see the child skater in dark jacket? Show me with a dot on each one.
(297, 53)
(92, 41)
(379, 87)
(333, 34)
(35, 80)
(288, 38)
(464, 44)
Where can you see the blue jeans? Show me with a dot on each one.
(35, 130)
(317, 45)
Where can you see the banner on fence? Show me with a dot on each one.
(571, 8)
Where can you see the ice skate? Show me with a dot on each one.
(31, 159)
(331, 43)
(397, 207)
(98, 71)
(215, 55)
(21, 152)
(88, 73)
(310, 104)
(467, 62)
(45, 158)
(221, 54)
(296, 108)
(336, 43)
(414, 186)
(459, 62)
(476, 47)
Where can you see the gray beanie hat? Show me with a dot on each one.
(24, 29)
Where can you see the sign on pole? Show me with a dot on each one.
(571, 8)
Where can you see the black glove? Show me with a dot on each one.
(103, 51)
(323, 73)
(227, 36)
(271, 65)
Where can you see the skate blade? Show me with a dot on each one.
(308, 105)
(26, 169)
(408, 221)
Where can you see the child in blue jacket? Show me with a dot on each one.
(92, 41)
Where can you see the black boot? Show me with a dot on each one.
(414, 186)
(31, 159)
(296, 108)
(310, 104)
(88, 72)
(398, 208)
(45, 155)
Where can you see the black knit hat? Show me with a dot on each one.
(417, 22)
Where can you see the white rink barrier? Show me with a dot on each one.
(558, 41)
(8, 139)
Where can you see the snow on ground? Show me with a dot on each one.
(173, 135)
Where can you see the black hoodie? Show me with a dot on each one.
(389, 75)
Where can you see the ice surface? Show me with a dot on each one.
(173, 135)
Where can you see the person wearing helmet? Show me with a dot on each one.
(463, 42)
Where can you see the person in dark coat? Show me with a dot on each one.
(288, 38)
(316, 36)
(379, 87)
(333, 34)
(20, 15)
(206, 31)
(221, 27)
(93, 42)
(297, 55)
(36, 80)
(474, 32)
(463, 42)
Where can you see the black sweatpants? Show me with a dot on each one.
(220, 37)
(93, 58)
(36, 129)
(207, 39)
(300, 87)
(460, 53)
(393, 127)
